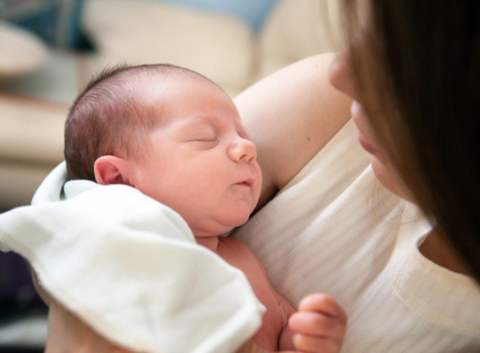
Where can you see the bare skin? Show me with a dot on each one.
(436, 250)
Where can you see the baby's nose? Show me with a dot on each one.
(243, 150)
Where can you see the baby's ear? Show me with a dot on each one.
(111, 170)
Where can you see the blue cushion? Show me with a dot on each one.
(253, 12)
(57, 22)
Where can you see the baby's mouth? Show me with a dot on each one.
(248, 182)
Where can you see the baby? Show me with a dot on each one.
(177, 137)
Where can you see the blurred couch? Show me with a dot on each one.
(225, 40)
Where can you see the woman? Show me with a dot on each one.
(405, 283)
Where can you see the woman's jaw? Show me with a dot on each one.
(381, 165)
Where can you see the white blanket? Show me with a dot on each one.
(129, 267)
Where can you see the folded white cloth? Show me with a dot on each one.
(130, 268)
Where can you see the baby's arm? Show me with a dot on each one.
(285, 339)
(319, 324)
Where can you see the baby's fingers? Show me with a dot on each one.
(323, 303)
(316, 324)
(320, 324)
(311, 344)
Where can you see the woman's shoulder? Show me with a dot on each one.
(291, 115)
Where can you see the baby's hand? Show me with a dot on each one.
(319, 324)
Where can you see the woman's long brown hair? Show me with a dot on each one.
(423, 66)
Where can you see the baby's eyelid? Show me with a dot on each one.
(204, 137)
(206, 140)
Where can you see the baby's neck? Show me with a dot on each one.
(210, 242)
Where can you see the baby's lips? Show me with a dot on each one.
(250, 181)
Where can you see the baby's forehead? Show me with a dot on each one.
(161, 79)
(182, 95)
(162, 89)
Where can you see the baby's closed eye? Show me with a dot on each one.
(202, 135)
(203, 139)
(204, 142)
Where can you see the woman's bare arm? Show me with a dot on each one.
(67, 334)
(291, 115)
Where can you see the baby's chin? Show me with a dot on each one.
(219, 226)
(243, 218)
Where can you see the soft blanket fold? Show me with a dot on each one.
(129, 267)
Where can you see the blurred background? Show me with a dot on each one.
(49, 49)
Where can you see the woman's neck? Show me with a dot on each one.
(210, 242)
(438, 251)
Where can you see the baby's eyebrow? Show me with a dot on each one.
(194, 123)
(215, 122)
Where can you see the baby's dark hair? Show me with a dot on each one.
(109, 117)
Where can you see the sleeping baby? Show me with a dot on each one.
(177, 137)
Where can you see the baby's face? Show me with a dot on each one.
(201, 162)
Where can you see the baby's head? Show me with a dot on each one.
(172, 134)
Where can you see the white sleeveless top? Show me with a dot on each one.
(335, 229)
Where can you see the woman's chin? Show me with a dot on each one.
(390, 179)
